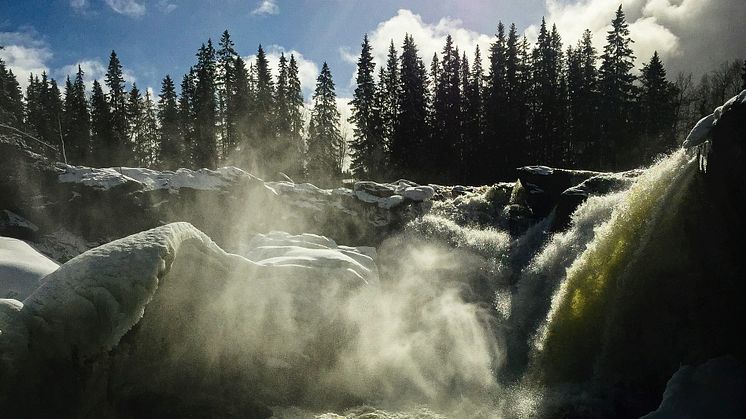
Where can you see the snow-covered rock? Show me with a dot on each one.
(701, 131)
(312, 251)
(21, 268)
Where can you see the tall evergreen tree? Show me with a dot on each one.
(226, 54)
(495, 106)
(294, 97)
(101, 129)
(517, 79)
(547, 117)
(472, 89)
(205, 147)
(583, 102)
(186, 118)
(264, 108)
(389, 103)
(238, 117)
(76, 120)
(324, 138)
(657, 114)
(135, 140)
(120, 152)
(11, 97)
(409, 143)
(367, 146)
(447, 118)
(617, 92)
(170, 139)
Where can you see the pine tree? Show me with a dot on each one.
(120, 152)
(517, 78)
(389, 102)
(287, 151)
(238, 117)
(264, 108)
(294, 96)
(53, 108)
(205, 147)
(409, 143)
(76, 121)
(367, 146)
(101, 130)
(11, 98)
(472, 120)
(495, 107)
(186, 118)
(617, 92)
(135, 140)
(226, 54)
(447, 118)
(170, 139)
(547, 102)
(657, 113)
(149, 131)
(583, 102)
(324, 138)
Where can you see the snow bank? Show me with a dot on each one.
(701, 131)
(107, 178)
(21, 268)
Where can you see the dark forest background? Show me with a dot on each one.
(452, 122)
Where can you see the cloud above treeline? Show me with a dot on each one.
(690, 35)
(266, 7)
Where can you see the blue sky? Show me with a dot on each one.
(156, 37)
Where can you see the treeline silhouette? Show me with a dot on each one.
(454, 122)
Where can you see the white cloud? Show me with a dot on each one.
(166, 6)
(308, 70)
(127, 7)
(24, 53)
(93, 69)
(429, 38)
(79, 5)
(691, 35)
(266, 7)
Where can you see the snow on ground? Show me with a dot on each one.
(107, 178)
(313, 252)
(21, 268)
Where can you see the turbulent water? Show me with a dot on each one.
(466, 320)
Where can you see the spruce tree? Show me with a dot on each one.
(517, 76)
(101, 129)
(447, 117)
(389, 103)
(149, 131)
(53, 108)
(324, 138)
(287, 152)
(170, 139)
(496, 107)
(472, 80)
(11, 98)
(226, 54)
(205, 147)
(583, 102)
(186, 119)
(657, 113)
(548, 99)
(134, 127)
(409, 143)
(366, 148)
(120, 152)
(294, 96)
(238, 117)
(617, 92)
(264, 107)
(76, 121)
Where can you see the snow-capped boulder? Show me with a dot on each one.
(703, 128)
(21, 268)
